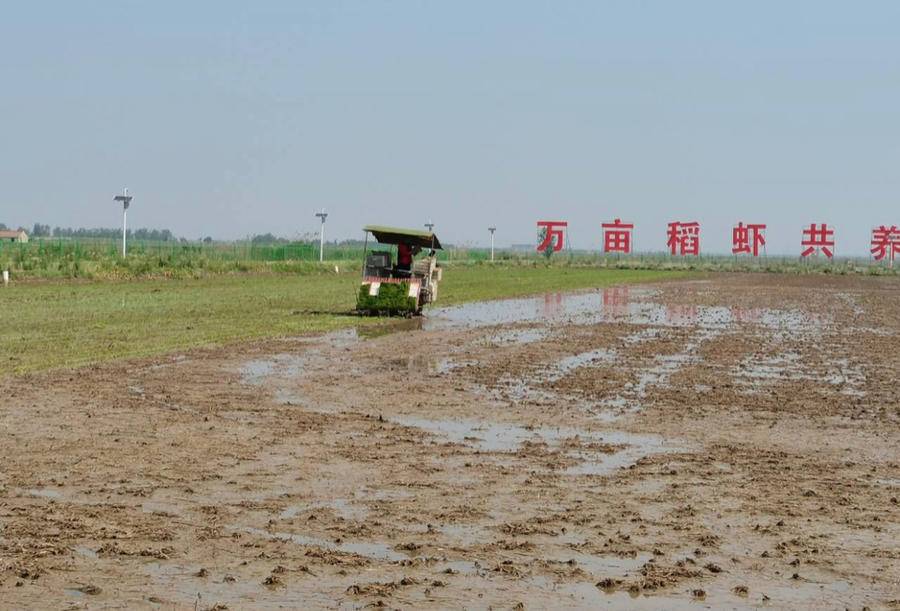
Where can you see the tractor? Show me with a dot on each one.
(390, 287)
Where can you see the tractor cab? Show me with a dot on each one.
(394, 282)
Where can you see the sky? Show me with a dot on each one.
(232, 118)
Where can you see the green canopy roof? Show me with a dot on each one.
(394, 235)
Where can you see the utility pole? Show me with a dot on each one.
(322, 215)
(430, 226)
(492, 230)
(126, 201)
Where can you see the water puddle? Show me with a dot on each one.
(341, 507)
(284, 396)
(497, 437)
(631, 305)
(44, 493)
(759, 373)
(86, 552)
(376, 551)
(518, 336)
(592, 358)
(632, 397)
(380, 494)
(851, 301)
(463, 534)
(463, 567)
(555, 307)
(716, 595)
(219, 590)
(256, 372)
(160, 508)
(603, 566)
(448, 365)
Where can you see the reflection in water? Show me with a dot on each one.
(616, 300)
(626, 304)
(679, 315)
(553, 303)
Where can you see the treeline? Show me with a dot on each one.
(268, 238)
(156, 235)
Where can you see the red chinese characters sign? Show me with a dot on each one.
(818, 238)
(885, 243)
(684, 238)
(617, 236)
(746, 239)
(552, 235)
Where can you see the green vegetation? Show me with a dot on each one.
(99, 259)
(71, 323)
(391, 299)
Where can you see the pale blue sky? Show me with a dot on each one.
(231, 118)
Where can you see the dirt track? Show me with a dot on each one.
(733, 442)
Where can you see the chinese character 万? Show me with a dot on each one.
(886, 243)
(684, 238)
(551, 233)
(747, 238)
(818, 238)
(617, 236)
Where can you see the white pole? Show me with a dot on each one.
(125, 199)
(492, 230)
(124, 220)
(322, 215)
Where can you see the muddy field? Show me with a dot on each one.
(729, 442)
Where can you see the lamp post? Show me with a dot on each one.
(322, 215)
(492, 230)
(126, 201)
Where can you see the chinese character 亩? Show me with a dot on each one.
(818, 238)
(617, 236)
(684, 238)
(746, 239)
(552, 235)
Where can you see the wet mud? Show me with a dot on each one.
(730, 442)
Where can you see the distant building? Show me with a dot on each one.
(13, 236)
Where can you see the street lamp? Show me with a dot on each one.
(322, 215)
(430, 226)
(126, 201)
(492, 230)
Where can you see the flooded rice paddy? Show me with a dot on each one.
(730, 442)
